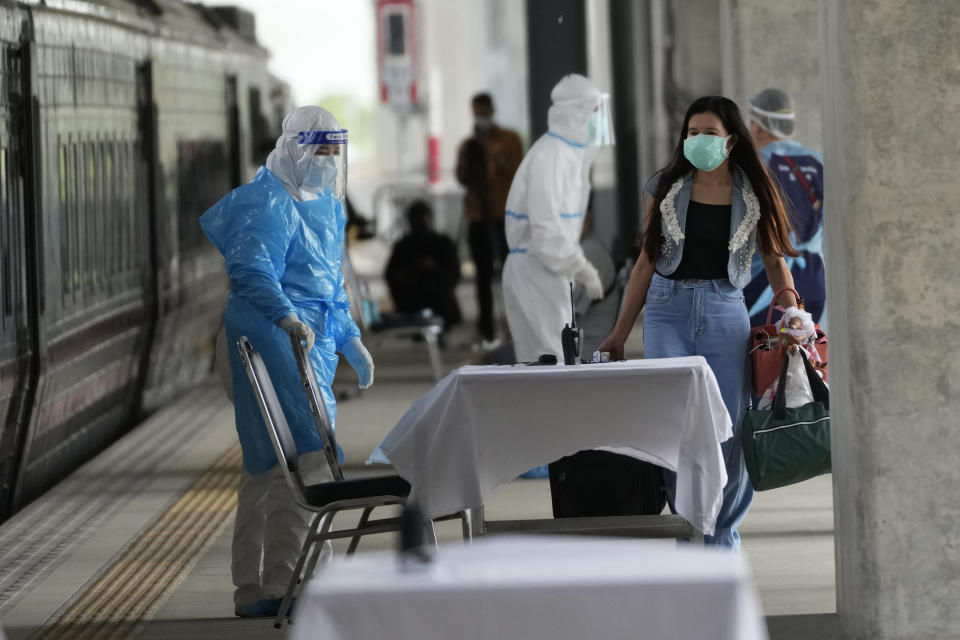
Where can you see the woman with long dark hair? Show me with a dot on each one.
(709, 209)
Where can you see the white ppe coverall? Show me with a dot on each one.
(544, 218)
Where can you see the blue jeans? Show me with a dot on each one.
(707, 318)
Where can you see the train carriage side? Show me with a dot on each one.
(94, 274)
(110, 296)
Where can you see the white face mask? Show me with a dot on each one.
(483, 123)
(322, 174)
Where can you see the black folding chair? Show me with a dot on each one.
(328, 498)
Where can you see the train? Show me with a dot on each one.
(121, 122)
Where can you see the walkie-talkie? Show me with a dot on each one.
(571, 336)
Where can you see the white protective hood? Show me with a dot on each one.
(574, 99)
(290, 160)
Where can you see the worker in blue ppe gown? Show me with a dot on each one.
(282, 238)
(544, 219)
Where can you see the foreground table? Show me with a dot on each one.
(536, 588)
(482, 426)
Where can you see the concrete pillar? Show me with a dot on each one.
(774, 43)
(697, 61)
(892, 90)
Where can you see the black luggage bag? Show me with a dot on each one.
(600, 483)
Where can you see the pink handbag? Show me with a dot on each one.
(767, 350)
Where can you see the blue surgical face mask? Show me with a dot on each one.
(322, 174)
(705, 152)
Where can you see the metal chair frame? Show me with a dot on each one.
(283, 444)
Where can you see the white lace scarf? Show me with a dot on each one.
(673, 234)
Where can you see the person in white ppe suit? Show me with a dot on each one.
(282, 237)
(544, 219)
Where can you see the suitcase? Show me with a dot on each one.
(600, 483)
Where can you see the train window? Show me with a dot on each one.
(64, 220)
(106, 216)
(66, 275)
(124, 186)
(131, 151)
(109, 210)
(113, 208)
(89, 218)
(73, 233)
(79, 229)
(4, 180)
(125, 169)
(139, 177)
(94, 234)
(136, 196)
(117, 205)
(99, 259)
(104, 232)
(203, 178)
(120, 189)
(82, 220)
(76, 215)
(86, 219)
(7, 228)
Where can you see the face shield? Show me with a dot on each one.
(779, 125)
(600, 132)
(324, 161)
(772, 110)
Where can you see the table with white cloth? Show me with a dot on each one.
(482, 426)
(549, 589)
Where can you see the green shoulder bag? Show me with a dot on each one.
(784, 446)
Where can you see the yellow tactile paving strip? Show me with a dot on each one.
(134, 585)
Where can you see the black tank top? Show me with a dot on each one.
(707, 234)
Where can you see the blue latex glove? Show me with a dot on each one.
(360, 359)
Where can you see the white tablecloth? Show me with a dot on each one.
(536, 588)
(482, 426)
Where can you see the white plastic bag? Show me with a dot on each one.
(798, 389)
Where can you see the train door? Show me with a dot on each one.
(146, 178)
(196, 170)
(18, 337)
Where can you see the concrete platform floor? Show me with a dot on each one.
(787, 536)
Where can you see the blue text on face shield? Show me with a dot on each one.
(322, 137)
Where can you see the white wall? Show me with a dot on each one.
(464, 48)
(774, 43)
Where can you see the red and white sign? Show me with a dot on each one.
(397, 52)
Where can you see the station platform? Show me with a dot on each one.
(136, 543)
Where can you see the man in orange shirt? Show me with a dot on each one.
(486, 162)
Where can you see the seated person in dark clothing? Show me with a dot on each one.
(424, 268)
